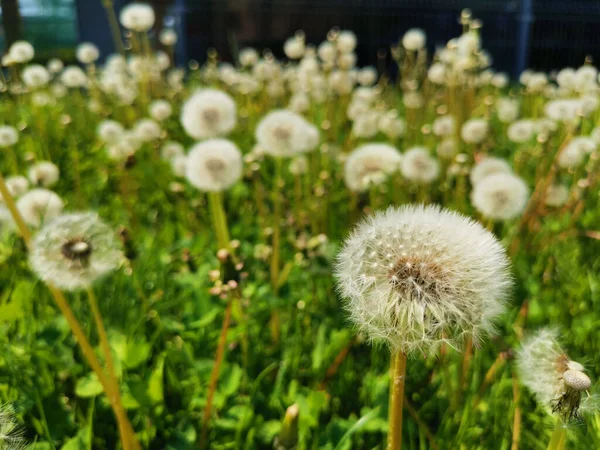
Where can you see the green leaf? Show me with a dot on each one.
(13, 310)
(88, 386)
(155, 384)
(360, 423)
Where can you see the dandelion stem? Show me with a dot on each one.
(396, 402)
(12, 207)
(517, 415)
(219, 218)
(559, 437)
(114, 26)
(214, 375)
(276, 226)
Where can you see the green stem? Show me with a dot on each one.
(559, 437)
(275, 257)
(397, 402)
(219, 218)
(115, 31)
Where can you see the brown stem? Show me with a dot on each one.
(214, 375)
(517, 415)
(397, 401)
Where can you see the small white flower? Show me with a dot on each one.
(21, 52)
(414, 277)
(418, 165)
(160, 110)
(35, 76)
(168, 37)
(214, 165)
(294, 47)
(367, 76)
(370, 164)
(8, 136)
(87, 53)
(285, 133)
(137, 17)
(171, 149)
(248, 57)
(73, 77)
(110, 131)
(346, 41)
(474, 131)
(74, 250)
(327, 52)
(521, 131)
(44, 174)
(208, 113)
(500, 196)
(39, 206)
(55, 65)
(444, 126)
(147, 130)
(507, 109)
(437, 73)
(414, 39)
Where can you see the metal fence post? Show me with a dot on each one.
(525, 20)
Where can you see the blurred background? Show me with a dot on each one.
(538, 34)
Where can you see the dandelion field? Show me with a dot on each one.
(249, 255)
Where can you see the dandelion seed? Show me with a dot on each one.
(414, 277)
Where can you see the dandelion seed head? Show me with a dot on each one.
(44, 174)
(370, 164)
(414, 39)
(74, 250)
(137, 17)
(39, 206)
(501, 196)
(160, 110)
(346, 41)
(35, 76)
(488, 166)
(444, 126)
(21, 52)
(17, 185)
(556, 195)
(419, 166)
(214, 165)
(87, 53)
(110, 131)
(168, 37)
(73, 77)
(208, 113)
(147, 130)
(521, 131)
(415, 276)
(8, 136)
(391, 124)
(367, 76)
(285, 133)
(171, 149)
(474, 131)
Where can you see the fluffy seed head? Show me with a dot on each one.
(248, 57)
(11, 432)
(17, 185)
(147, 130)
(168, 37)
(346, 41)
(8, 136)
(110, 131)
(39, 206)
(21, 52)
(556, 195)
(520, 131)
(171, 149)
(214, 165)
(502, 196)
(370, 164)
(160, 110)
(414, 39)
(35, 76)
(546, 370)
(285, 133)
(418, 166)
(74, 250)
(137, 17)
(44, 174)
(208, 113)
(87, 53)
(474, 131)
(444, 126)
(73, 77)
(391, 125)
(488, 166)
(415, 276)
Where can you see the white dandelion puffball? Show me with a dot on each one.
(446, 148)
(507, 109)
(171, 150)
(214, 165)
(73, 77)
(556, 381)
(474, 131)
(179, 165)
(168, 37)
(284, 133)
(499, 80)
(8, 136)
(416, 276)
(137, 17)
(160, 110)
(391, 125)
(35, 76)
(444, 126)
(521, 131)
(346, 41)
(370, 164)
(367, 76)
(299, 102)
(556, 195)
(39, 206)
(12, 436)
(575, 152)
(44, 174)
(437, 73)
(327, 52)
(87, 53)
(414, 39)
(248, 57)
(74, 250)
(147, 130)
(298, 165)
(208, 113)
(55, 65)
(419, 166)
(294, 47)
(488, 166)
(366, 124)
(412, 100)
(21, 52)
(17, 185)
(502, 196)
(110, 131)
